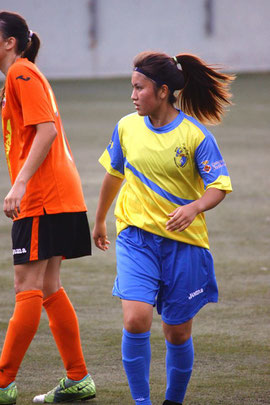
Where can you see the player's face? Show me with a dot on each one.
(7, 45)
(144, 95)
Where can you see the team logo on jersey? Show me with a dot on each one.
(181, 156)
(23, 78)
(206, 167)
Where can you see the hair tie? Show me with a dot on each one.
(30, 34)
(177, 63)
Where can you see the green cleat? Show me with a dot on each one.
(8, 395)
(68, 391)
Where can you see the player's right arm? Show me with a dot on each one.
(45, 135)
(109, 189)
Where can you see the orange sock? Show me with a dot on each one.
(65, 329)
(21, 330)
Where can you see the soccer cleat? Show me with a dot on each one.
(8, 395)
(167, 402)
(68, 391)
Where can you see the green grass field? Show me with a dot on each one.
(231, 338)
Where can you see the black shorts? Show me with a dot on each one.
(39, 238)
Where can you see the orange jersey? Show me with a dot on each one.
(29, 100)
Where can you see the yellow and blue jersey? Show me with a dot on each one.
(164, 168)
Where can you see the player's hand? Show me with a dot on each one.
(12, 201)
(100, 236)
(181, 218)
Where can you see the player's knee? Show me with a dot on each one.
(50, 288)
(19, 284)
(17, 288)
(136, 323)
(22, 283)
(177, 334)
(177, 337)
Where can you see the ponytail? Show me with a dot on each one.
(32, 48)
(206, 91)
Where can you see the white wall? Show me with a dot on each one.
(240, 39)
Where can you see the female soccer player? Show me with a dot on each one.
(174, 172)
(47, 205)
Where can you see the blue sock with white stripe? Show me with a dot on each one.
(136, 356)
(179, 363)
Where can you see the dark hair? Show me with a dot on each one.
(14, 25)
(203, 90)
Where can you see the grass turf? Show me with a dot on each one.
(231, 338)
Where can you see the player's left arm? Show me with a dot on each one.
(45, 135)
(183, 216)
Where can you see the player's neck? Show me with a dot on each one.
(163, 116)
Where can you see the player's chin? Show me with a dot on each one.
(142, 113)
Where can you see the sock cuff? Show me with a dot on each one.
(179, 347)
(136, 335)
(25, 295)
(7, 387)
(82, 379)
(51, 298)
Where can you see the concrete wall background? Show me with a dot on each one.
(239, 41)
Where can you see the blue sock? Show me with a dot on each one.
(179, 362)
(136, 356)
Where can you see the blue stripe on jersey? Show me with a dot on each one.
(115, 152)
(149, 183)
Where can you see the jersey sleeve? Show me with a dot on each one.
(35, 103)
(211, 165)
(112, 158)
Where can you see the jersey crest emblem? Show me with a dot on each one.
(181, 156)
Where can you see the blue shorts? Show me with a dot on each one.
(176, 277)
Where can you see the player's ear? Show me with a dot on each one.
(164, 91)
(10, 43)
